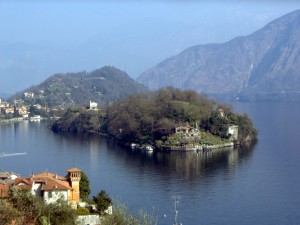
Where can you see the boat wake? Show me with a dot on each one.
(3, 154)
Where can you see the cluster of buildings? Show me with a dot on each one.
(19, 108)
(52, 187)
(49, 186)
(5, 108)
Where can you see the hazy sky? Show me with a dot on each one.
(73, 22)
(40, 38)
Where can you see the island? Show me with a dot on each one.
(166, 119)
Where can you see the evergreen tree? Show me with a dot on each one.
(102, 200)
(84, 186)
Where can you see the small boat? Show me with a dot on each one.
(149, 148)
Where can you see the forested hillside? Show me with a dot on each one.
(151, 118)
(64, 90)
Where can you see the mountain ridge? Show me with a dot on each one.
(263, 62)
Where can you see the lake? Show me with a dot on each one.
(256, 184)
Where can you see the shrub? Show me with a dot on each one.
(82, 211)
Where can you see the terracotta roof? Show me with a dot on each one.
(51, 181)
(49, 175)
(4, 190)
(25, 181)
(72, 170)
(48, 181)
(49, 184)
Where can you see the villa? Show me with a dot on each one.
(49, 186)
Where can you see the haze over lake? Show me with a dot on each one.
(40, 39)
(257, 184)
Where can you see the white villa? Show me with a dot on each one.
(93, 105)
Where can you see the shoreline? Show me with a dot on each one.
(12, 120)
(197, 148)
(19, 119)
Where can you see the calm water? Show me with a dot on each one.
(258, 184)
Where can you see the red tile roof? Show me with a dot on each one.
(49, 181)
(49, 184)
(49, 175)
(23, 181)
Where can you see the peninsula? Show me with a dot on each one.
(167, 119)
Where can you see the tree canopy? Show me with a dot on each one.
(145, 118)
(148, 118)
(153, 115)
(102, 200)
(84, 186)
(24, 208)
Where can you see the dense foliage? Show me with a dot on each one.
(145, 118)
(77, 120)
(24, 208)
(151, 118)
(102, 201)
(65, 90)
(84, 187)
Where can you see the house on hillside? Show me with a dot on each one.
(4, 104)
(187, 130)
(93, 106)
(28, 94)
(52, 187)
(7, 110)
(22, 111)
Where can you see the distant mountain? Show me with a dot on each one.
(102, 86)
(263, 65)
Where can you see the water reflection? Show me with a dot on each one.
(135, 177)
(192, 165)
(187, 165)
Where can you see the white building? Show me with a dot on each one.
(93, 105)
(233, 132)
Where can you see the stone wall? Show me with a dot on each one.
(89, 219)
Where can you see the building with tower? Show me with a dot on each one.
(52, 187)
(74, 176)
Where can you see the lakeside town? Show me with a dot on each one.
(27, 108)
(19, 109)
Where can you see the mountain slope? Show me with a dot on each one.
(102, 86)
(266, 62)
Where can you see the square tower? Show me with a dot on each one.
(74, 175)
